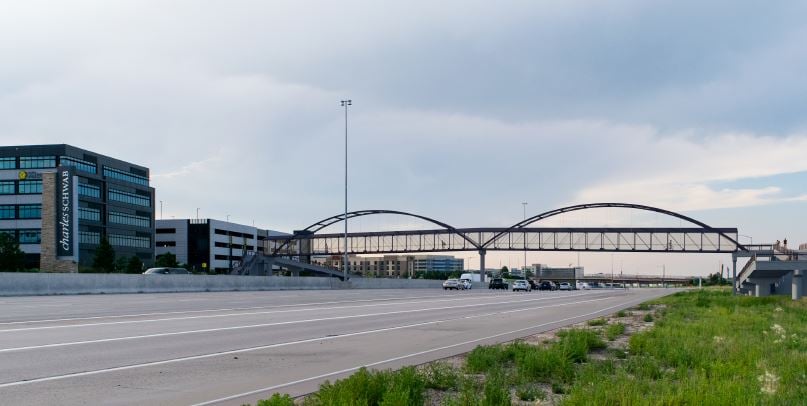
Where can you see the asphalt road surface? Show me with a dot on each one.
(238, 347)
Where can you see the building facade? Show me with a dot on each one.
(562, 274)
(209, 245)
(395, 265)
(114, 199)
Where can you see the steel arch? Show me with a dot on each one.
(567, 209)
(314, 228)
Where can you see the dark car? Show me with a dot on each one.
(533, 284)
(498, 283)
(547, 285)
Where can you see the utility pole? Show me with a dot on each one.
(345, 104)
(524, 205)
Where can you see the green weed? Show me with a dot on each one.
(596, 322)
(614, 330)
(648, 318)
(277, 400)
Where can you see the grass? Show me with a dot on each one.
(597, 322)
(614, 330)
(710, 348)
(648, 318)
(705, 347)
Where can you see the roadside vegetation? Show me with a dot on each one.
(696, 347)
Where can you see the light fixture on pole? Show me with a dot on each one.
(524, 206)
(197, 213)
(161, 209)
(345, 104)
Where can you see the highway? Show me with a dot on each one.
(237, 347)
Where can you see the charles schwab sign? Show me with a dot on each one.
(65, 213)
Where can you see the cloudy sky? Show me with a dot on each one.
(462, 109)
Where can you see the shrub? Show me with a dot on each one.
(644, 306)
(403, 387)
(530, 393)
(597, 322)
(440, 375)
(484, 358)
(277, 400)
(496, 393)
(621, 313)
(648, 317)
(558, 388)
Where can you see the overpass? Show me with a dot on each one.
(699, 238)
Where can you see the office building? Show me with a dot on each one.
(395, 265)
(58, 201)
(209, 245)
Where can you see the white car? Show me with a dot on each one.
(583, 286)
(466, 283)
(521, 285)
(453, 284)
(564, 286)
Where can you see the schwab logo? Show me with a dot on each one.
(64, 218)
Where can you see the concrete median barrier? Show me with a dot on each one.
(26, 284)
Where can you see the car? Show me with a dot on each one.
(166, 271)
(498, 283)
(547, 285)
(533, 284)
(452, 284)
(466, 284)
(564, 286)
(582, 286)
(521, 285)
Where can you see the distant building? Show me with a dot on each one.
(395, 265)
(546, 272)
(58, 201)
(209, 245)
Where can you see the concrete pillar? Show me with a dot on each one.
(734, 273)
(482, 266)
(762, 287)
(796, 285)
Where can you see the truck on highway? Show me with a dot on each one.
(473, 277)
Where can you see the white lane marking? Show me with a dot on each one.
(282, 323)
(263, 347)
(385, 298)
(318, 377)
(242, 314)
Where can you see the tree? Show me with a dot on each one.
(120, 264)
(167, 260)
(505, 273)
(135, 265)
(11, 257)
(104, 260)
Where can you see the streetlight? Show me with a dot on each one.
(345, 104)
(524, 206)
(750, 239)
(161, 209)
(197, 213)
(663, 275)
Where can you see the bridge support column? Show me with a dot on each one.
(482, 266)
(762, 286)
(734, 274)
(796, 287)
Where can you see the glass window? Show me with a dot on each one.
(88, 190)
(89, 237)
(79, 164)
(35, 162)
(8, 211)
(8, 163)
(131, 198)
(30, 211)
(27, 187)
(125, 176)
(30, 236)
(129, 219)
(7, 187)
(129, 241)
(90, 214)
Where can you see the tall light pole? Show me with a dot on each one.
(161, 209)
(197, 213)
(524, 206)
(345, 104)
